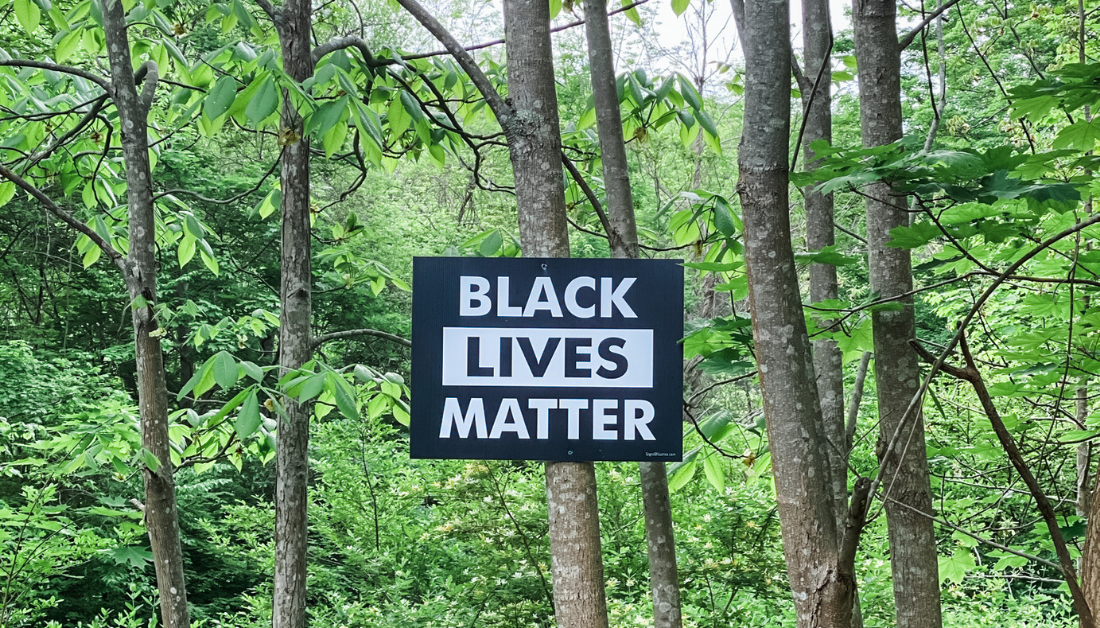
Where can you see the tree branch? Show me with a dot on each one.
(591, 195)
(97, 106)
(501, 109)
(65, 216)
(351, 333)
(54, 67)
(149, 75)
(498, 42)
(340, 43)
(908, 38)
(271, 11)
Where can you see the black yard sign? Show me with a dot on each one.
(547, 359)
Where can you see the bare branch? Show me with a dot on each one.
(908, 38)
(97, 106)
(351, 333)
(498, 42)
(54, 67)
(579, 178)
(65, 216)
(231, 199)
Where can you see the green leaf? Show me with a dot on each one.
(7, 192)
(712, 467)
(555, 8)
(723, 219)
(92, 256)
(682, 472)
(345, 397)
(827, 255)
(954, 567)
(263, 103)
(248, 419)
(208, 259)
(679, 6)
(28, 14)
(253, 371)
(1081, 135)
(135, 556)
(220, 98)
(226, 372)
(688, 91)
(150, 460)
(491, 244)
(311, 387)
(334, 139)
(631, 14)
(913, 236)
(68, 45)
(186, 250)
(326, 116)
(398, 118)
(707, 122)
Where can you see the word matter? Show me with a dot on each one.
(547, 359)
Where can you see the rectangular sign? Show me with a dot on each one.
(547, 359)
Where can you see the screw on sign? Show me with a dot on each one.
(547, 359)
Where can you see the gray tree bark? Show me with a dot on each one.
(897, 372)
(660, 540)
(140, 275)
(292, 458)
(821, 584)
(534, 146)
(815, 85)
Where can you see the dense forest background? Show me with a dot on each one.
(996, 167)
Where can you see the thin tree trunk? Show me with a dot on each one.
(140, 274)
(534, 146)
(897, 371)
(816, 89)
(822, 587)
(292, 459)
(660, 540)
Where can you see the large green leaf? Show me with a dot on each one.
(248, 420)
(220, 98)
(263, 103)
(28, 14)
(226, 371)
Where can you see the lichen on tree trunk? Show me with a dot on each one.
(140, 274)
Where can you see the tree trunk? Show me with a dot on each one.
(292, 459)
(1090, 554)
(140, 274)
(534, 145)
(897, 371)
(822, 589)
(663, 577)
(817, 43)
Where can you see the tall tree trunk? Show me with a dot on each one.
(816, 88)
(140, 274)
(534, 145)
(822, 588)
(897, 371)
(292, 459)
(660, 539)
